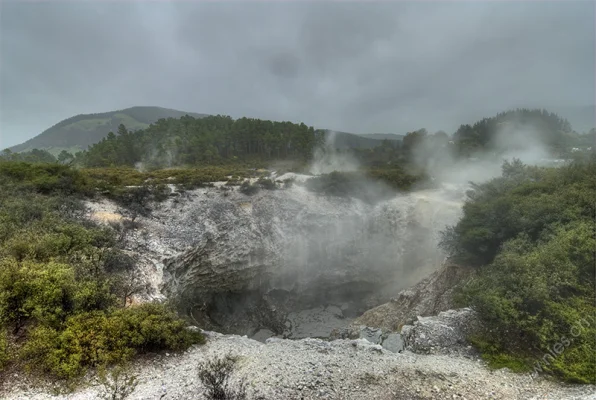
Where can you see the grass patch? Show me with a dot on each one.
(190, 178)
(497, 358)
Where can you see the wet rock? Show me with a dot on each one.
(238, 263)
(193, 328)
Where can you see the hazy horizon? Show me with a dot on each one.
(354, 67)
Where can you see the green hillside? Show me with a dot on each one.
(79, 132)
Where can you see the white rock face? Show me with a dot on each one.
(285, 247)
(297, 238)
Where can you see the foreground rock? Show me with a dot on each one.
(445, 333)
(316, 369)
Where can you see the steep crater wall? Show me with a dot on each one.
(294, 264)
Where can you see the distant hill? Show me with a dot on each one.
(346, 140)
(79, 132)
(83, 130)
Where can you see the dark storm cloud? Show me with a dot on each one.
(383, 67)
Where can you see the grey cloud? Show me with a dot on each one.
(363, 67)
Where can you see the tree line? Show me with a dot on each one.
(208, 140)
(555, 131)
(214, 140)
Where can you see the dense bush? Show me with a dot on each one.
(531, 234)
(398, 178)
(525, 200)
(99, 338)
(43, 178)
(63, 279)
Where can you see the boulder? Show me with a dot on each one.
(394, 343)
(445, 333)
(371, 334)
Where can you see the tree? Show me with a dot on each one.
(413, 139)
(122, 130)
(440, 138)
(65, 157)
(7, 154)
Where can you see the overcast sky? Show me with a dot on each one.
(357, 67)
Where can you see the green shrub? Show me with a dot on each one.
(531, 235)
(526, 200)
(45, 178)
(216, 376)
(4, 352)
(47, 293)
(62, 276)
(397, 178)
(118, 384)
(103, 338)
(267, 184)
(248, 189)
(348, 184)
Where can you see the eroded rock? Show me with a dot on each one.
(255, 259)
(240, 264)
(428, 297)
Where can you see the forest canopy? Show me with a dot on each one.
(190, 141)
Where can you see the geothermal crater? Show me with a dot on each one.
(288, 262)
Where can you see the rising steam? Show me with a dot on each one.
(328, 158)
(513, 140)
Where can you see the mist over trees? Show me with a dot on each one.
(217, 140)
(555, 131)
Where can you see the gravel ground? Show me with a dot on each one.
(316, 369)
